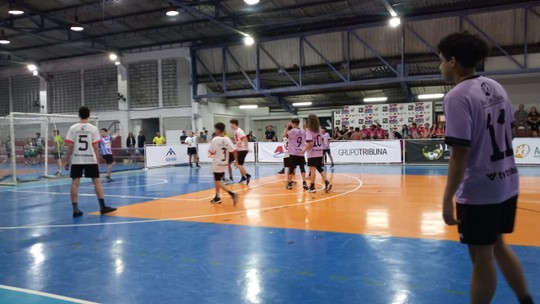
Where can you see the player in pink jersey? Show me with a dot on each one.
(297, 143)
(482, 175)
(314, 150)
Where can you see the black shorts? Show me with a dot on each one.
(109, 159)
(218, 176)
(241, 157)
(57, 155)
(315, 162)
(295, 160)
(286, 162)
(192, 151)
(482, 224)
(88, 171)
(327, 151)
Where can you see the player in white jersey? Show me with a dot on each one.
(221, 148)
(242, 148)
(191, 142)
(285, 147)
(82, 141)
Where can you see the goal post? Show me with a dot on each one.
(28, 149)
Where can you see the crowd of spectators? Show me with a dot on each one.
(412, 131)
(526, 124)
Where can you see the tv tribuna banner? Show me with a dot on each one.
(390, 116)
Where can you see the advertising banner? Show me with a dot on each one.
(168, 155)
(426, 152)
(203, 153)
(527, 151)
(372, 152)
(270, 152)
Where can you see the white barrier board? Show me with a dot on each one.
(203, 153)
(270, 152)
(527, 151)
(373, 152)
(166, 155)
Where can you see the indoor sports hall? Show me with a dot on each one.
(119, 119)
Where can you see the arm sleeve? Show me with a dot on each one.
(212, 148)
(458, 122)
(70, 137)
(309, 136)
(230, 146)
(241, 134)
(96, 137)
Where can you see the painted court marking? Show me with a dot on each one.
(359, 181)
(106, 185)
(44, 294)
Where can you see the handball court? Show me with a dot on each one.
(377, 237)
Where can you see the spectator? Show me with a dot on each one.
(183, 137)
(372, 132)
(348, 133)
(141, 141)
(380, 133)
(405, 133)
(251, 137)
(159, 140)
(343, 131)
(269, 134)
(520, 117)
(425, 131)
(534, 121)
(365, 132)
(206, 135)
(274, 139)
(440, 132)
(413, 129)
(337, 134)
(130, 144)
(200, 138)
(356, 135)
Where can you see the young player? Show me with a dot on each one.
(285, 145)
(242, 147)
(105, 149)
(297, 143)
(482, 174)
(326, 146)
(191, 142)
(82, 140)
(314, 150)
(220, 149)
(58, 145)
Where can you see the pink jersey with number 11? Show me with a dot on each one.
(297, 141)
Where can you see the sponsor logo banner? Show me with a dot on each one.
(270, 152)
(527, 151)
(426, 151)
(203, 153)
(160, 156)
(388, 151)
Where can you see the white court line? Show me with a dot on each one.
(47, 295)
(105, 186)
(360, 184)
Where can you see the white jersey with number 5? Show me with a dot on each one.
(83, 136)
(220, 148)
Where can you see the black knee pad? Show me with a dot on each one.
(303, 169)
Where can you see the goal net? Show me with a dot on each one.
(32, 144)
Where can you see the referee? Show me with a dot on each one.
(191, 142)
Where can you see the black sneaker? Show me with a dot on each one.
(198, 166)
(305, 186)
(107, 210)
(216, 200)
(327, 186)
(282, 171)
(77, 213)
(332, 166)
(248, 179)
(311, 190)
(191, 165)
(109, 179)
(243, 180)
(234, 198)
(289, 185)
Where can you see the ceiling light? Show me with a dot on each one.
(35, 73)
(375, 99)
(302, 104)
(32, 67)
(245, 107)
(15, 11)
(251, 2)
(430, 96)
(3, 38)
(113, 56)
(248, 40)
(117, 63)
(172, 11)
(76, 26)
(395, 22)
